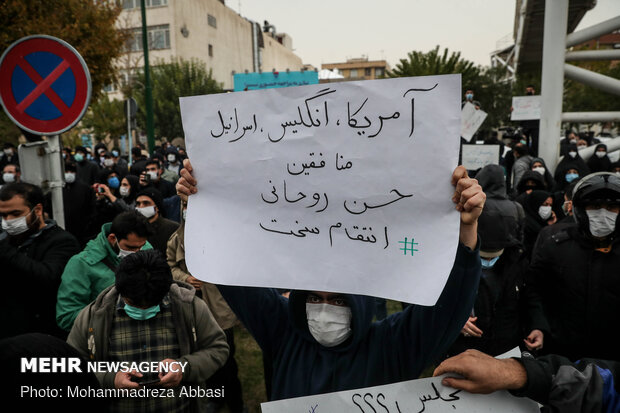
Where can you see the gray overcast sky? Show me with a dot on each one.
(331, 31)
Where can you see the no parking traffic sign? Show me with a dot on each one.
(45, 85)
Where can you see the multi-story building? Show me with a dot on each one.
(204, 29)
(360, 68)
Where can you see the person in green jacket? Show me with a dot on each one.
(92, 270)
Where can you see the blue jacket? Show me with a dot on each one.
(395, 349)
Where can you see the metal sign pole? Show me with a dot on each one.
(56, 179)
(129, 140)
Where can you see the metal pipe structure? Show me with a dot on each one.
(605, 54)
(552, 85)
(587, 77)
(592, 32)
(588, 117)
(612, 145)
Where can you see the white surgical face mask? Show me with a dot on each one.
(330, 325)
(153, 175)
(601, 154)
(8, 152)
(108, 162)
(602, 222)
(148, 211)
(539, 169)
(124, 191)
(8, 177)
(172, 157)
(544, 211)
(121, 252)
(69, 177)
(572, 154)
(16, 226)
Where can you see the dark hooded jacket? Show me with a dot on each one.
(574, 289)
(394, 349)
(569, 163)
(597, 164)
(526, 184)
(548, 178)
(533, 222)
(498, 209)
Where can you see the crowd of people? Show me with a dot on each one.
(537, 268)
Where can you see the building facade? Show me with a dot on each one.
(207, 30)
(360, 68)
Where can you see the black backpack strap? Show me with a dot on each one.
(109, 264)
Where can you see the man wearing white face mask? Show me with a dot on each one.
(573, 275)
(149, 203)
(11, 173)
(92, 270)
(318, 341)
(33, 253)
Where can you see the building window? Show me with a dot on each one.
(367, 72)
(135, 4)
(353, 73)
(110, 88)
(158, 38)
(210, 50)
(212, 21)
(379, 71)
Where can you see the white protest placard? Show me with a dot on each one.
(343, 187)
(478, 156)
(471, 119)
(525, 107)
(422, 395)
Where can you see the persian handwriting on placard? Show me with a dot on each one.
(367, 207)
(305, 166)
(226, 127)
(298, 168)
(297, 232)
(354, 123)
(314, 113)
(309, 120)
(413, 105)
(350, 233)
(370, 402)
(354, 232)
(274, 197)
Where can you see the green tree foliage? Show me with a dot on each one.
(434, 63)
(493, 95)
(86, 25)
(169, 82)
(106, 118)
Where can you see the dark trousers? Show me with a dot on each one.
(227, 376)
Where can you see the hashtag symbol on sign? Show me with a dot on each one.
(408, 246)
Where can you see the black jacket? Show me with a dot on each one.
(575, 294)
(162, 231)
(31, 276)
(498, 307)
(589, 385)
